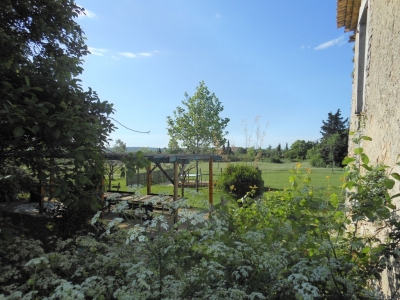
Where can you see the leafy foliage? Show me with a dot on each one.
(299, 243)
(199, 125)
(298, 150)
(239, 180)
(48, 123)
(335, 137)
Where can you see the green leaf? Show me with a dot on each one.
(56, 191)
(395, 176)
(366, 138)
(18, 132)
(36, 88)
(8, 63)
(388, 183)
(28, 83)
(82, 179)
(79, 156)
(51, 124)
(366, 167)
(366, 250)
(358, 150)
(57, 133)
(349, 185)
(364, 158)
(348, 160)
(6, 84)
(334, 200)
(63, 104)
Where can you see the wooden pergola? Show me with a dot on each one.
(176, 159)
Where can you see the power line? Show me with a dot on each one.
(129, 128)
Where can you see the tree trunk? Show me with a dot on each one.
(197, 175)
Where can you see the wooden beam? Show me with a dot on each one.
(210, 182)
(148, 169)
(165, 173)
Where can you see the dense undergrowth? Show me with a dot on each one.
(300, 243)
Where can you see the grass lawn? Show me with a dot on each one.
(275, 176)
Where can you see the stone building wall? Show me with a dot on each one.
(381, 111)
(380, 118)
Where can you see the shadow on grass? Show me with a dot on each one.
(271, 189)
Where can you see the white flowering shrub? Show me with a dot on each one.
(295, 244)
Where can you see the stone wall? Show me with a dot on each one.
(382, 83)
(380, 119)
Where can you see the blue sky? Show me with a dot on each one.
(282, 60)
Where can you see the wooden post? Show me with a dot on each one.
(41, 204)
(148, 180)
(102, 189)
(176, 185)
(176, 180)
(210, 182)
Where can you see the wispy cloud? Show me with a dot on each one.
(128, 54)
(217, 15)
(134, 55)
(305, 47)
(339, 41)
(97, 51)
(87, 13)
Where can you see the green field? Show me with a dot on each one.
(275, 176)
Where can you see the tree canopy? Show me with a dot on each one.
(298, 150)
(48, 122)
(335, 137)
(198, 124)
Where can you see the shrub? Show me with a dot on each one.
(238, 180)
(273, 159)
(315, 157)
(14, 180)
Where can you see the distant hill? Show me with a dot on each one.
(144, 149)
(135, 149)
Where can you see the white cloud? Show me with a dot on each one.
(145, 54)
(128, 54)
(305, 47)
(87, 13)
(339, 41)
(97, 51)
(217, 15)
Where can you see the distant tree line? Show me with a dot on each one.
(329, 150)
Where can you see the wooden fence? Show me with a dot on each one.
(156, 177)
(159, 177)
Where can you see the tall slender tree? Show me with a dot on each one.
(198, 124)
(335, 136)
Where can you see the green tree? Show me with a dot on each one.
(198, 125)
(332, 142)
(298, 150)
(334, 125)
(48, 122)
(279, 150)
(111, 167)
(119, 146)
